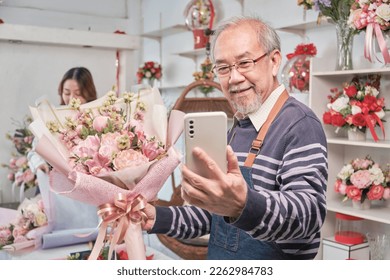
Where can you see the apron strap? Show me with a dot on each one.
(258, 142)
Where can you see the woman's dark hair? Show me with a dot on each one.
(84, 80)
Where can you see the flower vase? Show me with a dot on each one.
(356, 135)
(379, 245)
(357, 204)
(344, 45)
(150, 82)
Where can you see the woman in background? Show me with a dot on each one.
(78, 83)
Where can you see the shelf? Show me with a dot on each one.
(368, 143)
(193, 53)
(385, 71)
(375, 213)
(66, 37)
(301, 28)
(171, 30)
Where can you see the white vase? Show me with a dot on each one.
(356, 204)
(356, 135)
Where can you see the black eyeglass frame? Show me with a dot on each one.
(236, 65)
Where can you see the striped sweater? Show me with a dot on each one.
(288, 203)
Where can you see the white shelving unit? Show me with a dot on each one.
(14, 33)
(341, 150)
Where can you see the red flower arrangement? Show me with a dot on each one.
(357, 106)
(150, 70)
(296, 73)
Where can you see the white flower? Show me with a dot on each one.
(345, 172)
(383, 11)
(381, 114)
(376, 175)
(369, 90)
(340, 103)
(360, 94)
(355, 109)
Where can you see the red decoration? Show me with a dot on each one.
(199, 16)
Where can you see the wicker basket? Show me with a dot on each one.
(186, 249)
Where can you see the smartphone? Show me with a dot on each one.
(206, 130)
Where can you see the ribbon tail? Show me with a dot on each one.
(382, 44)
(380, 125)
(99, 242)
(371, 127)
(368, 42)
(117, 236)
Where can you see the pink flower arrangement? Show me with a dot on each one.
(107, 139)
(357, 106)
(31, 216)
(115, 153)
(373, 16)
(19, 171)
(363, 179)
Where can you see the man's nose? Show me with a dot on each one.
(235, 76)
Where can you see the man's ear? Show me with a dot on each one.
(276, 58)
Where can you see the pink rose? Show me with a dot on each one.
(100, 123)
(151, 150)
(375, 192)
(129, 158)
(28, 176)
(386, 193)
(87, 147)
(353, 192)
(109, 144)
(361, 179)
(20, 162)
(20, 239)
(11, 176)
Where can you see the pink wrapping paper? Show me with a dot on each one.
(118, 191)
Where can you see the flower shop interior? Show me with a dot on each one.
(40, 40)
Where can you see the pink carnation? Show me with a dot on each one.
(361, 179)
(129, 158)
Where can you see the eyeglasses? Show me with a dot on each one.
(241, 66)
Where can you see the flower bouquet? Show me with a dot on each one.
(362, 179)
(296, 72)
(20, 173)
(357, 106)
(114, 153)
(373, 17)
(150, 71)
(22, 233)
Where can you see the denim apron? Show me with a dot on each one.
(231, 243)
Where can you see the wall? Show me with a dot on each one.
(29, 71)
